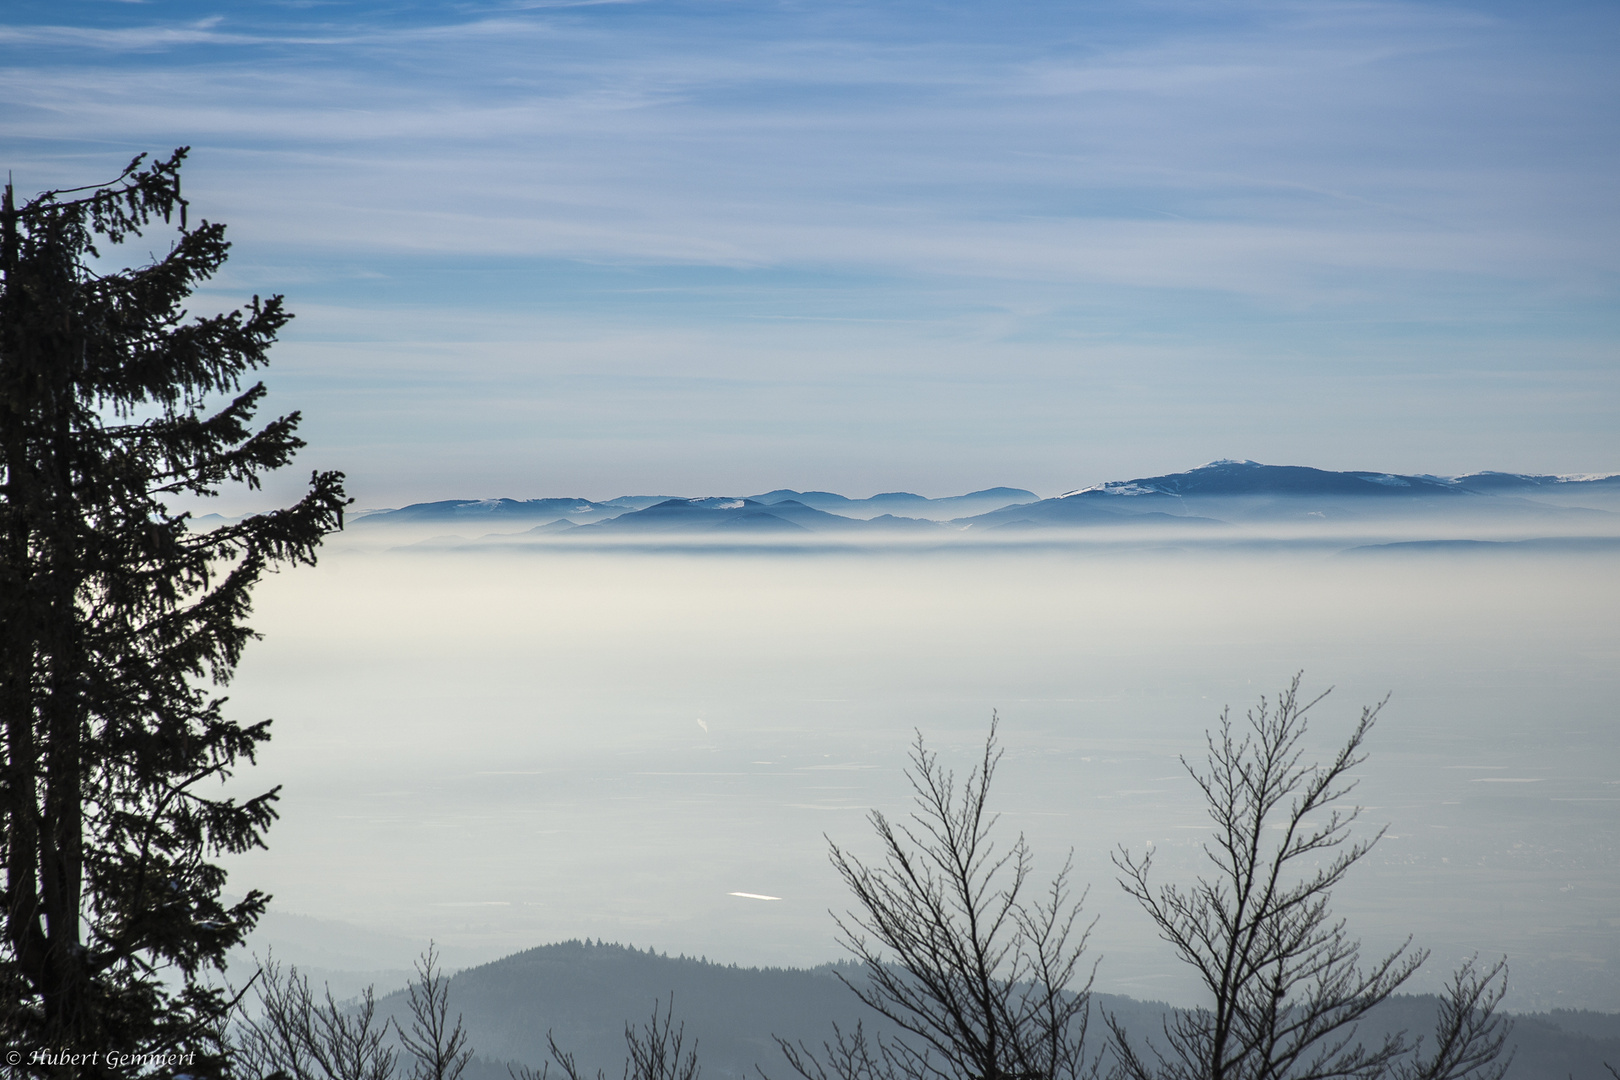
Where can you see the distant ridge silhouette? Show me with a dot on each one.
(1225, 491)
(583, 993)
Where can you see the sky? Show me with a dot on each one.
(555, 248)
(717, 246)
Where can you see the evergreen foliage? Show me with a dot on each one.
(117, 618)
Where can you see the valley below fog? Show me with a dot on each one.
(504, 748)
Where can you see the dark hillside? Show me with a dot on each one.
(584, 993)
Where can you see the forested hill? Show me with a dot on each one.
(583, 993)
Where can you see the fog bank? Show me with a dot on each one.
(505, 749)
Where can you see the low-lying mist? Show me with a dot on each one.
(503, 748)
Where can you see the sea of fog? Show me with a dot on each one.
(503, 749)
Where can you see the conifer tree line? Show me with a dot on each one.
(120, 621)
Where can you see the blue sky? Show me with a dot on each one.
(595, 248)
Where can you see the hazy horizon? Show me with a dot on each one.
(501, 750)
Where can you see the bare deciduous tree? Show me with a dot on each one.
(655, 1053)
(980, 981)
(1288, 985)
(299, 1037)
(438, 1047)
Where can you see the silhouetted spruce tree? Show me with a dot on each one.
(117, 617)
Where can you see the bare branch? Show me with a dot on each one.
(438, 1047)
(297, 1036)
(1287, 986)
(982, 983)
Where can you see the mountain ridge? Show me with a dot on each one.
(1220, 492)
(584, 992)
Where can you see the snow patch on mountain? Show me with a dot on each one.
(1117, 487)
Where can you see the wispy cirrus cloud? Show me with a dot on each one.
(1254, 131)
(144, 39)
(1189, 171)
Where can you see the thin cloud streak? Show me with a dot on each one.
(1249, 194)
(631, 128)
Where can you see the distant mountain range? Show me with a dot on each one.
(663, 512)
(1220, 493)
(1226, 478)
(583, 993)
